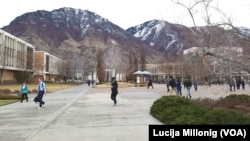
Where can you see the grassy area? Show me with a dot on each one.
(6, 90)
(6, 102)
(120, 85)
(51, 87)
(179, 110)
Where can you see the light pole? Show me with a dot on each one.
(43, 72)
(92, 75)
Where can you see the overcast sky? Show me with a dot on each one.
(127, 13)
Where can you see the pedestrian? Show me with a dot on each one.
(114, 90)
(150, 83)
(167, 84)
(230, 82)
(24, 92)
(234, 83)
(178, 87)
(238, 83)
(195, 84)
(243, 84)
(88, 81)
(41, 92)
(188, 84)
(173, 86)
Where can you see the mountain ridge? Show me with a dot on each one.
(69, 32)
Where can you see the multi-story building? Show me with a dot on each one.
(47, 66)
(16, 58)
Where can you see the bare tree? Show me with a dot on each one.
(211, 39)
(100, 66)
(143, 58)
(133, 65)
(112, 59)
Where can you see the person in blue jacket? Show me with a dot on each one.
(24, 92)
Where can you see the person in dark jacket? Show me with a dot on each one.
(195, 84)
(178, 87)
(150, 83)
(88, 81)
(188, 84)
(168, 84)
(243, 84)
(173, 86)
(114, 90)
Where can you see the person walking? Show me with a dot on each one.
(114, 90)
(24, 92)
(188, 84)
(173, 86)
(41, 92)
(195, 84)
(150, 83)
(88, 81)
(234, 83)
(178, 87)
(167, 84)
(243, 84)
(238, 83)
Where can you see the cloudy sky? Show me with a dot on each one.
(127, 13)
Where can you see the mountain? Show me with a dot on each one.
(172, 39)
(163, 36)
(74, 33)
(70, 33)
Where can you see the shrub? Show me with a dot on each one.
(179, 110)
(234, 100)
(17, 91)
(6, 91)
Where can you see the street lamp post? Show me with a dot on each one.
(43, 71)
(92, 75)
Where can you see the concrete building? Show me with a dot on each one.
(47, 66)
(16, 58)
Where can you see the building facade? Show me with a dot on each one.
(16, 58)
(47, 66)
(160, 72)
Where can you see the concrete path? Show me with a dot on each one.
(83, 113)
(80, 113)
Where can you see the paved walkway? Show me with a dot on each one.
(78, 114)
(83, 113)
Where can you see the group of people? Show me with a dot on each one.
(236, 83)
(176, 86)
(90, 82)
(42, 91)
(41, 88)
